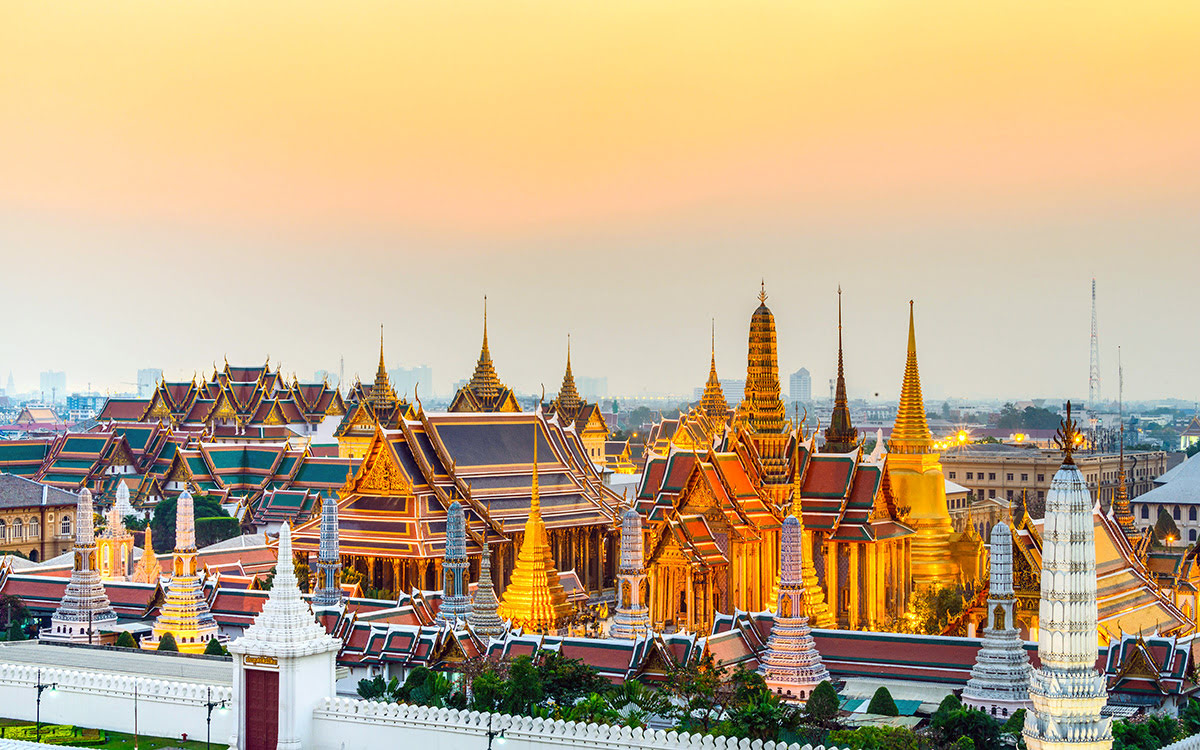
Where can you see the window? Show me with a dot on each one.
(18, 529)
(3, 531)
(65, 527)
(1146, 511)
(35, 529)
(991, 493)
(1041, 477)
(980, 494)
(1041, 494)
(1191, 535)
(991, 475)
(970, 475)
(1192, 513)
(952, 475)
(1174, 513)
(1010, 495)
(1024, 478)
(1008, 476)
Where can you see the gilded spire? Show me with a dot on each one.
(840, 436)
(713, 402)
(382, 397)
(568, 402)
(761, 403)
(1067, 437)
(535, 599)
(1120, 504)
(484, 382)
(911, 433)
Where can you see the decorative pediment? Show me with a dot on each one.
(224, 408)
(274, 415)
(337, 407)
(158, 409)
(380, 473)
(179, 471)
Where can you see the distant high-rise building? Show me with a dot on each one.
(734, 390)
(11, 388)
(593, 389)
(800, 385)
(84, 405)
(327, 376)
(53, 385)
(406, 379)
(147, 379)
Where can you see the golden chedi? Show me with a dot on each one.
(917, 479)
(535, 600)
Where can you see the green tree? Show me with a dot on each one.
(135, 523)
(1165, 530)
(565, 680)
(524, 687)
(763, 717)
(823, 704)
(1015, 723)
(1148, 733)
(214, 648)
(593, 709)
(700, 694)
(882, 703)
(378, 689)
(981, 729)
(948, 704)
(874, 738)
(426, 688)
(1189, 718)
(125, 640)
(487, 691)
(167, 643)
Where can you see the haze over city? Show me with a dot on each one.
(178, 185)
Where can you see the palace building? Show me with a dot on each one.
(586, 418)
(392, 511)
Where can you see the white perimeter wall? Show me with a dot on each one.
(344, 724)
(105, 701)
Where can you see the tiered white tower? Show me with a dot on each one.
(456, 603)
(632, 618)
(184, 614)
(483, 620)
(85, 606)
(286, 652)
(792, 666)
(122, 504)
(328, 592)
(999, 683)
(1067, 691)
(114, 548)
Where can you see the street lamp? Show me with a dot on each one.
(493, 734)
(40, 688)
(210, 705)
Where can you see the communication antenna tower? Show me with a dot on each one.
(1094, 369)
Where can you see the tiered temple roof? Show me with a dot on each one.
(713, 402)
(840, 436)
(761, 408)
(484, 392)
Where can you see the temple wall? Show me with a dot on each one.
(105, 701)
(341, 723)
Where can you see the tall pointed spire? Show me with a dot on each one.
(911, 431)
(483, 620)
(382, 397)
(568, 403)
(762, 405)
(713, 402)
(535, 599)
(185, 613)
(1120, 504)
(1068, 693)
(485, 384)
(328, 592)
(85, 606)
(840, 436)
(148, 569)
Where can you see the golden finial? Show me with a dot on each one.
(1067, 436)
(762, 291)
(714, 342)
(534, 501)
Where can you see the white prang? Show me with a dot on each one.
(1066, 690)
(999, 683)
(123, 506)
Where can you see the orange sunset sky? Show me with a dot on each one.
(181, 181)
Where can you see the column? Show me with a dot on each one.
(854, 585)
(396, 576)
(691, 602)
(831, 579)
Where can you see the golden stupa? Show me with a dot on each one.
(917, 479)
(535, 600)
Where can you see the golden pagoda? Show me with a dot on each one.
(713, 402)
(840, 436)
(762, 411)
(484, 392)
(382, 397)
(535, 600)
(917, 479)
(148, 569)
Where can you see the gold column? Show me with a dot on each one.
(853, 584)
(831, 579)
(691, 602)
(396, 575)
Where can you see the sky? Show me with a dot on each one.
(185, 182)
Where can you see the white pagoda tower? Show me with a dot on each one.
(328, 592)
(792, 666)
(999, 683)
(283, 666)
(122, 504)
(632, 618)
(456, 601)
(184, 614)
(1066, 690)
(85, 606)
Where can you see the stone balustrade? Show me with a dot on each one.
(342, 724)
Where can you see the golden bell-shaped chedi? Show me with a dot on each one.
(535, 600)
(917, 479)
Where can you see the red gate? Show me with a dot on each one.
(262, 710)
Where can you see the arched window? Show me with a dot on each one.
(65, 526)
(18, 529)
(1192, 513)
(3, 531)
(1191, 535)
(1175, 512)
(35, 529)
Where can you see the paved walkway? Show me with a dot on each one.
(120, 661)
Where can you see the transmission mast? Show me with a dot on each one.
(1094, 369)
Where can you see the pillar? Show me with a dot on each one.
(852, 581)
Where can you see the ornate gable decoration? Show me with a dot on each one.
(380, 473)
(223, 408)
(158, 408)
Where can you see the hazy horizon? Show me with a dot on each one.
(185, 183)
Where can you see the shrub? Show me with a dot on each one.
(874, 738)
(823, 704)
(214, 648)
(125, 640)
(882, 703)
(167, 643)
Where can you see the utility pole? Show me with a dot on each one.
(41, 687)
